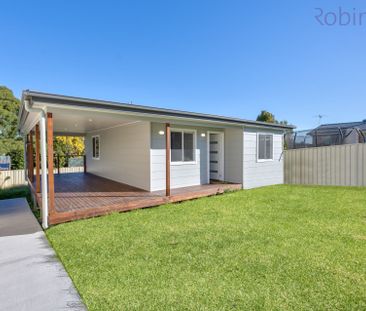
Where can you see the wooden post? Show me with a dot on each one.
(25, 157)
(38, 161)
(167, 159)
(58, 164)
(51, 179)
(27, 145)
(84, 158)
(31, 159)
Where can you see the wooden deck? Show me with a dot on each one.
(83, 195)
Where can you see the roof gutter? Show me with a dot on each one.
(61, 100)
(28, 107)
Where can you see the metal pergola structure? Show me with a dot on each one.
(321, 137)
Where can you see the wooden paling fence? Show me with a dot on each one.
(16, 177)
(341, 165)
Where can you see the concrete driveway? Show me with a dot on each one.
(31, 276)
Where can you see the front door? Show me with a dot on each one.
(216, 156)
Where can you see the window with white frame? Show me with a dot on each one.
(265, 147)
(96, 147)
(182, 146)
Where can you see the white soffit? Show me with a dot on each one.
(82, 122)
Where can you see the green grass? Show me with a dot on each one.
(274, 248)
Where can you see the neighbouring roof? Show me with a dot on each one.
(50, 99)
(346, 125)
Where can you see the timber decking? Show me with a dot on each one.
(84, 195)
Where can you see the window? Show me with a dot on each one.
(96, 147)
(265, 147)
(182, 146)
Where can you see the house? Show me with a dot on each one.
(155, 155)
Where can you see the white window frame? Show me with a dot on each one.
(194, 132)
(93, 151)
(265, 160)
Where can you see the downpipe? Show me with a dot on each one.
(42, 127)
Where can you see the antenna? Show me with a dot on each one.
(320, 118)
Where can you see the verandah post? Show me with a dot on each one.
(25, 157)
(28, 158)
(84, 159)
(167, 159)
(31, 159)
(38, 161)
(58, 164)
(27, 152)
(51, 179)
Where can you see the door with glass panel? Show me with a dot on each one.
(216, 156)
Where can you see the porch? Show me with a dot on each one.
(84, 195)
(131, 149)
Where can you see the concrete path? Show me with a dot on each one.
(31, 276)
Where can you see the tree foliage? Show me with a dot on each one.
(9, 107)
(10, 142)
(69, 145)
(66, 146)
(266, 116)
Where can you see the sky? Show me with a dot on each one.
(231, 58)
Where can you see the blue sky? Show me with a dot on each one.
(232, 58)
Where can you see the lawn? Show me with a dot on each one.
(274, 248)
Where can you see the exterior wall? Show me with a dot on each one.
(135, 154)
(124, 154)
(233, 154)
(258, 174)
(182, 175)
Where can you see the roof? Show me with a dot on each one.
(48, 98)
(345, 125)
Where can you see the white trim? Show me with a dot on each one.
(96, 158)
(180, 130)
(163, 117)
(222, 158)
(257, 151)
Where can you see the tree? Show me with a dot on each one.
(266, 116)
(9, 107)
(11, 143)
(17, 156)
(65, 146)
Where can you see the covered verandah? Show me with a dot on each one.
(70, 196)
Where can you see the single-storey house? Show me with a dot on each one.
(151, 151)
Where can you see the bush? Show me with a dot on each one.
(17, 158)
(16, 192)
(20, 192)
